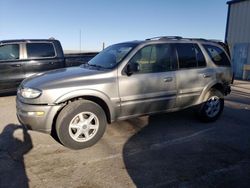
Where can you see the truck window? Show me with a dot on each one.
(218, 56)
(40, 50)
(9, 52)
(155, 58)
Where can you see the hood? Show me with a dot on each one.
(60, 78)
(58, 83)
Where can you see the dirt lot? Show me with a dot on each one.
(168, 150)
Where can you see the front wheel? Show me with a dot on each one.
(81, 124)
(211, 109)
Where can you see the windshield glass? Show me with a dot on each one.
(112, 56)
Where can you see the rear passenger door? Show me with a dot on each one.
(192, 75)
(153, 87)
(11, 66)
(41, 57)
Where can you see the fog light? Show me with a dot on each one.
(39, 113)
(35, 113)
(31, 113)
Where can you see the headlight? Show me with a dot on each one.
(29, 93)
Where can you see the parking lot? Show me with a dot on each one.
(167, 150)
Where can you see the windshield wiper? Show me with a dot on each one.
(97, 66)
(94, 65)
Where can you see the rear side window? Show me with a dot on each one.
(9, 52)
(201, 62)
(186, 55)
(190, 55)
(40, 50)
(218, 56)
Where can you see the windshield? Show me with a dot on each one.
(112, 56)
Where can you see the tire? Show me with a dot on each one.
(81, 124)
(211, 109)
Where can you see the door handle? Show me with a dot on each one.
(168, 79)
(51, 63)
(16, 65)
(206, 75)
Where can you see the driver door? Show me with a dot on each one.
(153, 87)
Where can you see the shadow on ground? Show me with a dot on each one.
(12, 151)
(175, 150)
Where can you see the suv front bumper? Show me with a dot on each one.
(36, 117)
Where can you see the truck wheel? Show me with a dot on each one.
(211, 109)
(81, 124)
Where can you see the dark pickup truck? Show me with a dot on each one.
(20, 59)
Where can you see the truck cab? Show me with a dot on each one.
(20, 59)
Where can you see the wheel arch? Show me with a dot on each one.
(95, 96)
(218, 86)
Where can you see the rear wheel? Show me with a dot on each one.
(211, 109)
(81, 124)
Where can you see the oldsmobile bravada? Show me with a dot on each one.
(127, 80)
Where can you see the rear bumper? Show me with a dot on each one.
(37, 117)
(227, 89)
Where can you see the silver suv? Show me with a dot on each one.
(127, 80)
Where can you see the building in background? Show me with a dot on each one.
(238, 36)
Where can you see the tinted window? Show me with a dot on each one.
(9, 52)
(186, 55)
(38, 50)
(155, 58)
(218, 56)
(199, 56)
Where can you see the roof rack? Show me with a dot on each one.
(202, 39)
(179, 38)
(165, 37)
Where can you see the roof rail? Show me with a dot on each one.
(165, 37)
(179, 38)
(202, 39)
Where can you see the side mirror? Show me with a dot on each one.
(132, 68)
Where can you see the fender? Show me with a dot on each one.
(206, 89)
(111, 103)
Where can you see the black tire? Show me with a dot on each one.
(70, 113)
(212, 114)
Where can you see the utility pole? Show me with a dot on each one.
(103, 45)
(80, 38)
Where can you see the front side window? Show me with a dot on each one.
(9, 52)
(155, 58)
(40, 50)
(218, 56)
